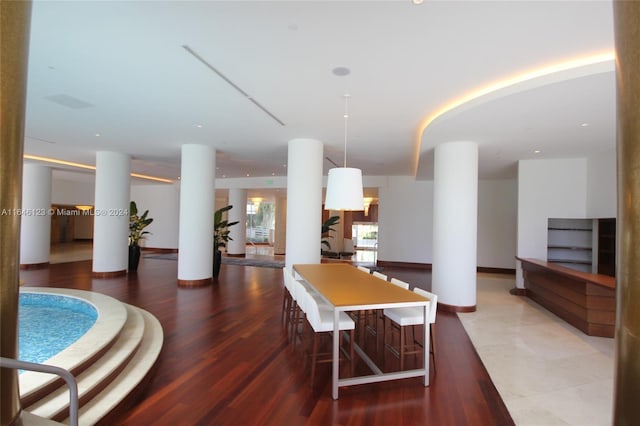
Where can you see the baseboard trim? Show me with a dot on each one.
(410, 265)
(31, 266)
(111, 274)
(159, 250)
(489, 270)
(428, 267)
(195, 283)
(455, 309)
(518, 291)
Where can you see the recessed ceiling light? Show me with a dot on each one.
(97, 135)
(199, 126)
(341, 71)
(585, 124)
(536, 151)
(417, 1)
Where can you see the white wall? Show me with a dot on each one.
(547, 188)
(601, 185)
(497, 223)
(163, 202)
(68, 192)
(405, 221)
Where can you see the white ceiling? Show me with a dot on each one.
(127, 71)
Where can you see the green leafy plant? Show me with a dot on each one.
(221, 228)
(137, 224)
(327, 226)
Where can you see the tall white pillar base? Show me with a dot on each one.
(197, 192)
(35, 226)
(111, 214)
(455, 223)
(304, 202)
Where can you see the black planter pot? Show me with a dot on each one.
(217, 261)
(134, 257)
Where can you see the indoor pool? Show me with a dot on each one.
(48, 323)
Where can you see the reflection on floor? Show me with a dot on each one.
(71, 252)
(547, 371)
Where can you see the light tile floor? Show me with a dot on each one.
(547, 372)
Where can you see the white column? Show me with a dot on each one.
(35, 226)
(111, 220)
(304, 201)
(238, 233)
(455, 222)
(280, 231)
(197, 192)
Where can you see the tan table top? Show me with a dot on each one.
(345, 285)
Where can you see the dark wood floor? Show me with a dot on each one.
(226, 359)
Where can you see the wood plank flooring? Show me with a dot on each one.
(226, 359)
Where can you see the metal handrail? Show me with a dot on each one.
(43, 368)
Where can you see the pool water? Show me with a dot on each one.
(49, 323)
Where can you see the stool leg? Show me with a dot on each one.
(351, 352)
(433, 344)
(314, 355)
(402, 342)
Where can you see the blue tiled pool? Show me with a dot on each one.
(48, 323)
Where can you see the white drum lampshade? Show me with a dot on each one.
(344, 189)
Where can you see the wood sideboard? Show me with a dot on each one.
(586, 301)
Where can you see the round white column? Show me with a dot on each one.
(304, 201)
(280, 231)
(111, 214)
(238, 233)
(455, 223)
(35, 227)
(197, 192)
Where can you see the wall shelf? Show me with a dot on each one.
(586, 245)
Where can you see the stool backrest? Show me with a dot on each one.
(433, 306)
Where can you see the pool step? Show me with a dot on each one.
(109, 379)
(130, 377)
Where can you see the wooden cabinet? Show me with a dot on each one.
(586, 301)
(607, 247)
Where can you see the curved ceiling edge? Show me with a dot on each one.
(531, 79)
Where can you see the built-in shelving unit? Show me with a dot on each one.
(570, 243)
(586, 245)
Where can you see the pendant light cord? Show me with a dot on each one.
(346, 120)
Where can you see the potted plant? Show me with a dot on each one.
(136, 233)
(220, 237)
(326, 227)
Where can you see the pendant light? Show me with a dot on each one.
(344, 184)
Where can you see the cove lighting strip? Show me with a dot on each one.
(508, 82)
(89, 167)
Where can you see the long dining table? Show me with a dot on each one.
(347, 288)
